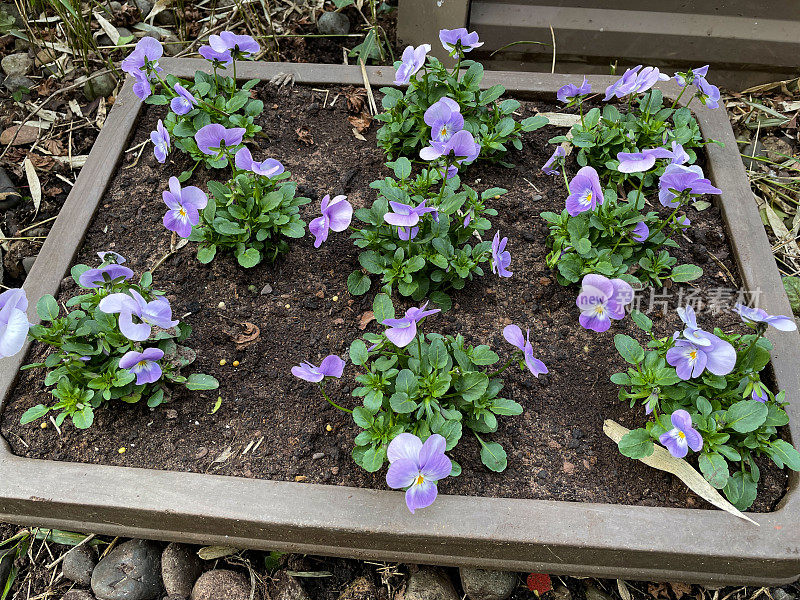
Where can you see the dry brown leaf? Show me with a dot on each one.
(365, 320)
(356, 99)
(662, 460)
(223, 456)
(304, 135)
(248, 335)
(658, 591)
(360, 122)
(358, 136)
(54, 147)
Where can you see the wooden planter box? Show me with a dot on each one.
(745, 42)
(526, 535)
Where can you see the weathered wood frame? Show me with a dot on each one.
(526, 535)
(746, 42)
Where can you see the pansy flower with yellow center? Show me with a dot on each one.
(416, 467)
(585, 192)
(184, 206)
(682, 436)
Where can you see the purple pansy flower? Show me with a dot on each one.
(405, 217)
(444, 118)
(759, 393)
(144, 58)
(101, 276)
(157, 312)
(681, 179)
(682, 436)
(639, 162)
(336, 216)
(402, 331)
(641, 232)
(683, 220)
(501, 258)
(692, 331)
(678, 154)
(602, 299)
(585, 192)
(266, 168)
(696, 73)
(635, 81)
(161, 143)
(690, 359)
(461, 144)
(568, 93)
(109, 256)
(412, 61)
(143, 364)
(557, 155)
(214, 138)
(14, 323)
(707, 94)
(184, 206)
(183, 102)
(141, 85)
(513, 335)
(759, 315)
(651, 403)
(240, 46)
(417, 467)
(459, 38)
(331, 366)
(223, 58)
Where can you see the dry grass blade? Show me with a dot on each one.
(661, 459)
(33, 184)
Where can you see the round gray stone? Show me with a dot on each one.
(593, 593)
(79, 562)
(165, 17)
(480, 584)
(99, 87)
(333, 23)
(16, 82)
(222, 584)
(430, 584)
(131, 571)
(144, 6)
(180, 568)
(9, 194)
(16, 64)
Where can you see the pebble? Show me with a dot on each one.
(144, 6)
(562, 593)
(165, 17)
(152, 31)
(333, 23)
(481, 584)
(180, 568)
(25, 134)
(79, 563)
(9, 194)
(593, 593)
(266, 290)
(782, 594)
(318, 455)
(430, 584)
(132, 571)
(16, 64)
(17, 82)
(99, 87)
(288, 588)
(222, 584)
(361, 588)
(78, 595)
(27, 263)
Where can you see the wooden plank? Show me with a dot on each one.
(419, 22)
(775, 9)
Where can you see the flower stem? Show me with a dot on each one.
(331, 402)
(509, 362)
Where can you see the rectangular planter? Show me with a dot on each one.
(526, 535)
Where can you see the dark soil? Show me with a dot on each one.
(271, 425)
